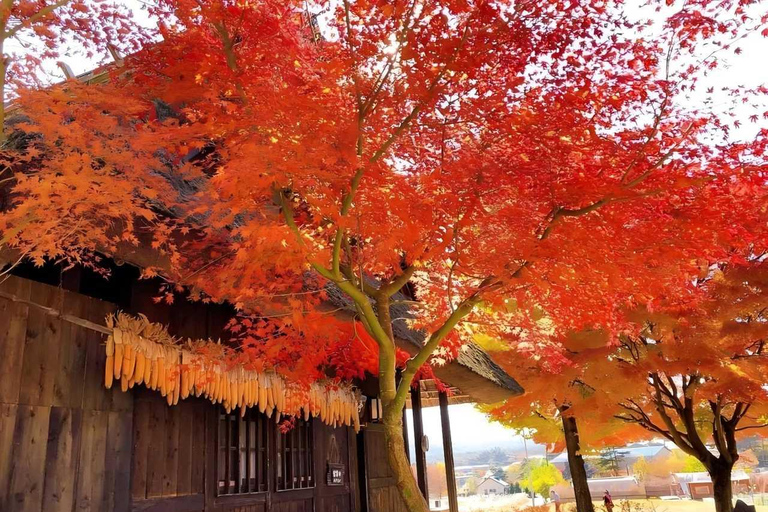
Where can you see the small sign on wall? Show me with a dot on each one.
(335, 474)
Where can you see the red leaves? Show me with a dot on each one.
(531, 159)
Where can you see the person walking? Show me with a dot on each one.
(608, 501)
(555, 498)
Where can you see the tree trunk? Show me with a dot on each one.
(721, 479)
(401, 468)
(576, 464)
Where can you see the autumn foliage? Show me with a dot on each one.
(529, 169)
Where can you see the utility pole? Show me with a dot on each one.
(525, 445)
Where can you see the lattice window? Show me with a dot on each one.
(241, 466)
(295, 468)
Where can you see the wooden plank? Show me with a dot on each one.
(110, 462)
(117, 461)
(191, 503)
(30, 442)
(61, 460)
(171, 474)
(68, 382)
(211, 447)
(99, 459)
(123, 427)
(13, 328)
(7, 426)
(233, 502)
(200, 448)
(185, 451)
(450, 474)
(157, 453)
(84, 501)
(95, 395)
(141, 442)
(262, 462)
(352, 465)
(41, 348)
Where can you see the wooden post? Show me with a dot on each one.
(418, 434)
(450, 473)
(398, 377)
(405, 436)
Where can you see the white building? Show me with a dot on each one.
(492, 486)
(438, 504)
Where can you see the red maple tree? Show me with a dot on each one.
(501, 159)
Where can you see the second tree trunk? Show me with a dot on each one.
(576, 465)
(723, 493)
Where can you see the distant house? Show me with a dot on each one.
(624, 487)
(438, 503)
(491, 486)
(698, 486)
(627, 457)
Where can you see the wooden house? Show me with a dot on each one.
(698, 485)
(492, 486)
(67, 443)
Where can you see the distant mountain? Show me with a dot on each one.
(492, 456)
(495, 456)
(471, 432)
(479, 453)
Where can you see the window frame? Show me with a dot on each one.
(241, 453)
(299, 453)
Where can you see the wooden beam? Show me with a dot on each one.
(418, 434)
(58, 314)
(450, 473)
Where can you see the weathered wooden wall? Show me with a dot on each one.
(169, 447)
(65, 440)
(68, 444)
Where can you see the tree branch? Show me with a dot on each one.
(717, 428)
(393, 286)
(414, 363)
(417, 108)
(672, 429)
(42, 13)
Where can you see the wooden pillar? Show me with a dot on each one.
(418, 434)
(405, 436)
(450, 473)
(398, 378)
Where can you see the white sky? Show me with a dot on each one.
(470, 431)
